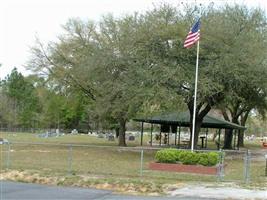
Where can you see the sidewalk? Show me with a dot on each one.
(220, 193)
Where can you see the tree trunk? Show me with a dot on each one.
(117, 132)
(242, 123)
(200, 114)
(122, 130)
(198, 124)
(197, 130)
(228, 138)
(241, 138)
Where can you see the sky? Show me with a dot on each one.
(22, 20)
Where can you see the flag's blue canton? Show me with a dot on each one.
(196, 27)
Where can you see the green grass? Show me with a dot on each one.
(253, 145)
(50, 158)
(68, 139)
(92, 140)
(89, 160)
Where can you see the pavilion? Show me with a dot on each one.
(172, 123)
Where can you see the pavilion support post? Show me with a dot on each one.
(219, 140)
(206, 139)
(234, 138)
(179, 137)
(239, 133)
(151, 134)
(160, 138)
(175, 140)
(142, 133)
(169, 136)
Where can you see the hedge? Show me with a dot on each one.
(187, 157)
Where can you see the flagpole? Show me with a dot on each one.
(195, 101)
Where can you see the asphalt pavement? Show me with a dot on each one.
(20, 191)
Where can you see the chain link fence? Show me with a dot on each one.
(71, 158)
(247, 167)
(234, 166)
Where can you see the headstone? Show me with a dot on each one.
(131, 138)
(111, 138)
(3, 141)
(57, 132)
(74, 131)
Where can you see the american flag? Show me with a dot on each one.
(193, 35)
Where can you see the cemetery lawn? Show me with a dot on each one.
(81, 139)
(66, 139)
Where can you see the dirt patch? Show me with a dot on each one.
(136, 186)
(25, 176)
(125, 186)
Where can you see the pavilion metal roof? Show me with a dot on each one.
(183, 119)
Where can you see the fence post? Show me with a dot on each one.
(220, 169)
(141, 163)
(247, 160)
(70, 160)
(8, 156)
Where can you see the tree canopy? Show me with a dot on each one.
(136, 65)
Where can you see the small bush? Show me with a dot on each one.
(190, 158)
(203, 159)
(187, 157)
(182, 156)
(166, 156)
(213, 158)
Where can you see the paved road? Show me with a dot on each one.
(13, 190)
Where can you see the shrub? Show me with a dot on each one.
(213, 158)
(187, 157)
(208, 159)
(182, 155)
(166, 156)
(190, 158)
(203, 159)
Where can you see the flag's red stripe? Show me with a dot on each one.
(191, 39)
(188, 46)
(190, 43)
(191, 35)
